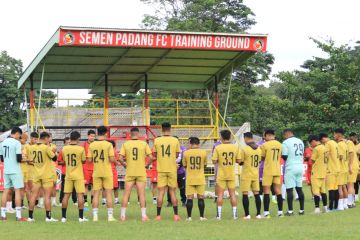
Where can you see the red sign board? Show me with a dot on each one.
(104, 38)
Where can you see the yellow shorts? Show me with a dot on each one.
(44, 182)
(195, 189)
(134, 179)
(25, 172)
(332, 181)
(353, 177)
(226, 184)
(167, 179)
(318, 186)
(268, 180)
(342, 179)
(247, 185)
(31, 173)
(103, 183)
(79, 186)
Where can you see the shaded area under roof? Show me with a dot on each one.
(83, 63)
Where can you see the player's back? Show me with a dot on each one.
(320, 158)
(352, 149)
(251, 157)
(10, 147)
(226, 154)
(74, 156)
(135, 152)
(195, 161)
(166, 148)
(293, 148)
(100, 153)
(271, 151)
(333, 154)
(42, 156)
(343, 156)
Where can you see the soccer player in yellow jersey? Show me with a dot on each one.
(250, 161)
(353, 172)
(333, 169)
(271, 154)
(25, 168)
(135, 152)
(353, 137)
(34, 138)
(226, 155)
(166, 149)
(101, 153)
(318, 173)
(344, 168)
(195, 160)
(53, 192)
(74, 157)
(43, 157)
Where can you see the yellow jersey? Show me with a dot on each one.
(100, 153)
(271, 152)
(42, 156)
(195, 160)
(166, 148)
(352, 149)
(333, 156)
(320, 160)
(251, 160)
(24, 150)
(343, 156)
(135, 152)
(226, 155)
(74, 157)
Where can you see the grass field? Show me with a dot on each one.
(338, 225)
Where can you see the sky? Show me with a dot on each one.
(26, 25)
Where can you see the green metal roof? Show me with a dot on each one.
(84, 67)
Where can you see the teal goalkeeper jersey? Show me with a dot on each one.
(293, 148)
(10, 147)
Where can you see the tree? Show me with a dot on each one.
(11, 105)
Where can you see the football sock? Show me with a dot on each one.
(266, 202)
(189, 206)
(245, 201)
(279, 202)
(345, 202)
(301, 197)
(95, 211)
(234, 212)
(3, 212)
(158, 211)
(349, 199)
(8, 205)
(123, 212)
(41, 201)
(336, 199)
(290, 199)
(143, 212)
(317, 201)
(324, 199)
(63, 212)
(53, 200)
(258, 204)
(341, 204)
(48, 214)
(110, 211)
(201, 205)
(31, 213)
(219, 210)
(81, 213)
(175, 208)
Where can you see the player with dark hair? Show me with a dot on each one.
(353, 172)
(101, 153)
(271, 155)
(88, 167)
(74, 156)
(167, 149)
(195, 161)
(354, 138)
(318, 173)
(226, 155)
(250, 161)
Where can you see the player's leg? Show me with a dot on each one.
(266, 183)
(219, 200)
(41, 198)
(174, 202)
(315, 189)
(4, 198)
(182, 188)
(339, 199)
(190, 190)
(80, 190)
(345, 194)
(53, 195)
(108, 186)
(277, 189)
(289, 180)
(299, 190)
(97, 187)
(323, 195)
(160, 199)
(255, 188)
(48, 189)
(64, 205)
(154, 191)
(245, 186)
(200, 190)
(34, 194)
(233, 200)
(127, 191)
(140, 186)
(62, 185)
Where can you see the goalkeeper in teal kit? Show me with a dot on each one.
(293, 155)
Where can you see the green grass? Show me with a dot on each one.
(338, 225)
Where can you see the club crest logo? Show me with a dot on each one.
(69, 38)
(258, 44)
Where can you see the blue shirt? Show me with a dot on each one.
(293, 148)
(10, 147)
